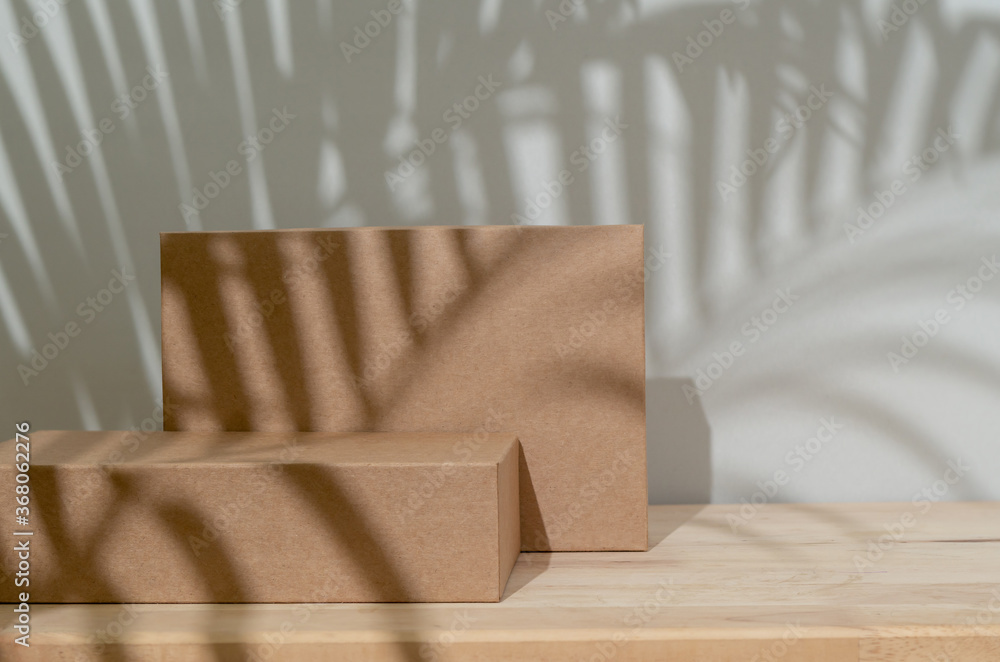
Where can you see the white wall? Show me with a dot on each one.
(231, 66)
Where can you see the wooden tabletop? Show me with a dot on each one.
(810, 583)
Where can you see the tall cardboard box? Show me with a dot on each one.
(438, 329)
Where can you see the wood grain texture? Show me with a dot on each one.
(796, 583)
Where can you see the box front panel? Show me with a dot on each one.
(533, 330)
(219, 533)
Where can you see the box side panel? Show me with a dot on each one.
(509, 513)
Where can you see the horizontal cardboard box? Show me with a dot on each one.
(182, 517)
(436, 329)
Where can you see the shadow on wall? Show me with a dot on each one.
(228, 116)
(678, 443)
